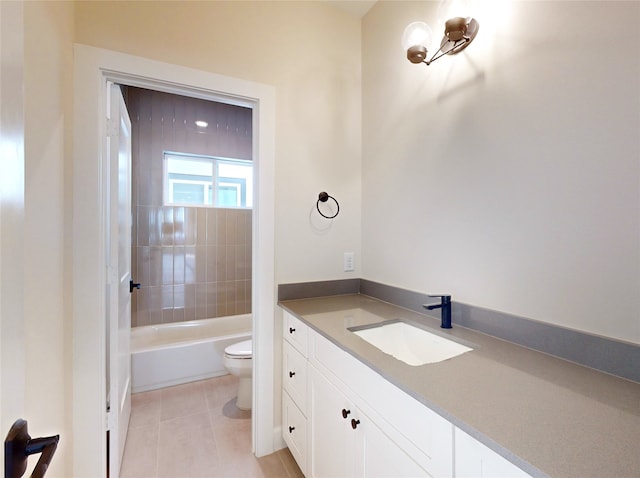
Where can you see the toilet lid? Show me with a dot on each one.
(241, 349)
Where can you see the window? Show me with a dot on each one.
(207, 181)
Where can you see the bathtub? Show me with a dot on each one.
(181, 352)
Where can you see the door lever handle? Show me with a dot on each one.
(133, 285)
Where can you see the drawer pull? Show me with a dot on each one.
(291, 429)
(291, 374)
(291, 330)
(354, 423)
(345, 412)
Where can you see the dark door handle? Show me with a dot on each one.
(354, 423)
(291, 374)
(345, 412)
(133, 285)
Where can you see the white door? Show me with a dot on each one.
(119, 277)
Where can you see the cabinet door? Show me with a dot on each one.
(331, 437)
(294, 431)
(475, 460)
(377, 456)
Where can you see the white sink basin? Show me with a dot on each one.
(413, 345)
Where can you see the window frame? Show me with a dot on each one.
(243, 193)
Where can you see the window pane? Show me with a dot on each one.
(228, 196)
(207, 181)
(186, 193)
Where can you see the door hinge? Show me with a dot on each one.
(111, 418)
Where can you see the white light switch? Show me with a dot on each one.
(349, 262)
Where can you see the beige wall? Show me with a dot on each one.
(192, 262)
(508, 175)
(48, 104)
(310, 52)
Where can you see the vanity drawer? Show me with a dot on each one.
(294, 431)
(295, 332)
(294, 374)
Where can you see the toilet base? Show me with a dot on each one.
(245, 394)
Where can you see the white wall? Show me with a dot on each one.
(310, 52)
(509, 175)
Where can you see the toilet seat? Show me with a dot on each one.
(241, 350)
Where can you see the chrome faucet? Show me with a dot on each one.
(445, 313)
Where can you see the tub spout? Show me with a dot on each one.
(445, 313)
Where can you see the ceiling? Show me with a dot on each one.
(355, 7)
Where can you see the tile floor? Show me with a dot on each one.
(196, 430)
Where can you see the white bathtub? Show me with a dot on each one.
(181, 352)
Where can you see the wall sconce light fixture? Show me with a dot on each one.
(459, 32)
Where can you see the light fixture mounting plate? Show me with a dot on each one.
(472, 30)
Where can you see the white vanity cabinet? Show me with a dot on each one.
(394, 434)
(294, 384)
(342, 419)
(347, 441)
(475, 460)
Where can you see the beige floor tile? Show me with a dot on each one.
(220, 390)
(145, 409)
(140, 453)
(182, 400)
(186, 448)
(196, 430)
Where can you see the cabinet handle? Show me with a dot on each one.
(291, 429)
(345, 412)
(291, 374)
(354, 423)
(291, 330)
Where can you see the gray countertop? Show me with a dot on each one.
(546, 415)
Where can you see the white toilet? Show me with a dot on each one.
(238, 360)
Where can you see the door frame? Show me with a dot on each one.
(93, 67)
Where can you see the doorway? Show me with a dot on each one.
(93, 67)
(192, 202)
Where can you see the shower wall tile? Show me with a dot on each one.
(211, 214)
(221, 226)
(201, 264)
(178, 226)
(211, 271)
(201, 226)
(143, 262)
(155, 265)
(154, 217)
(192, 262)
(212, 299)
(178, 265)
(231, 264)
(141, 298)
(167, 265)
(201, 301)
(221, 262)
(190, 225)
(143, 221)
(166, 228)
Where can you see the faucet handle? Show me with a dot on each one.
(439, 295)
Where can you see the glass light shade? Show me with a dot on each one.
(417, 34)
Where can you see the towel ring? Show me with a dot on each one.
(324, 197)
